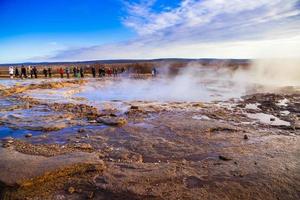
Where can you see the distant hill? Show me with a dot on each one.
(205, 60)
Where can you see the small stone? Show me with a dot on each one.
(28, 135)
(7, 139)
(134, 107)
(224, 158)
(5, 145)
(81, 130)
(71, 190)
(246, 137)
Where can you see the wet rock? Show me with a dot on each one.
(112, 121)
(28, 135)
(134, 107)
(198, 105)
(81, 130)
(6, 145)
(224, 158)
(83, 146)
(81, 110)
(71, 190)
(48, 127)
(8, 140)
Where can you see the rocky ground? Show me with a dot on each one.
(237, 149)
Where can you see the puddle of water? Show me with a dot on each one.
(17, 82)
(15, 133)
(152, 90)
(266, 119)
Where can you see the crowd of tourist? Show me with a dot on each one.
(68, 71)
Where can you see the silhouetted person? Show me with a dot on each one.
(17, 74)
(45, 72)
(100, 71)
(23, 72)
(68, 72)
(94, 71)
(35, 72)
(78, 72)
(50, 72)
(74, 71)
(81, 72)
(154, 71)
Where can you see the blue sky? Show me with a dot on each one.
(66, 30)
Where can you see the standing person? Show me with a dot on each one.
(11, 72)
(77, 72)
(100, 72)
(23, 72)
(50, 72)
(45, 72)
(35, 71)
(93, 71)
(103, 72)
(17, 74)
(61, 72)
(115, 72)
(29, 71)
(68, 71)
(81, 72)
(154, 72)
(74, 71)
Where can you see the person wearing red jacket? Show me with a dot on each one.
(61, 72)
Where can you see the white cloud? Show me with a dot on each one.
(200, 15)
(204, 28)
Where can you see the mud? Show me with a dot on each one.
(150, 150)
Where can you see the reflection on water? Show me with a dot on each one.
(15, 133)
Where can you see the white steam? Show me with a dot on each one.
(192, 83)
(274, 72)
(198, 83)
